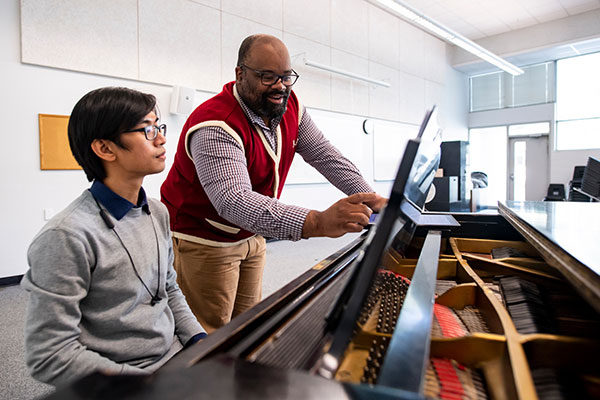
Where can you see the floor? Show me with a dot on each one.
(285, 261)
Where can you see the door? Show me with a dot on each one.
(528, 176)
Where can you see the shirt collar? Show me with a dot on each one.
(115, 204)
(254, 117)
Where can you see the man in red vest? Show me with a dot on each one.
(222, 192)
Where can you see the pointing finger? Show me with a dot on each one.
(362, 197)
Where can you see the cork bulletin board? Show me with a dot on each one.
(55, 153)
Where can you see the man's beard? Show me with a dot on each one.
(267, 109)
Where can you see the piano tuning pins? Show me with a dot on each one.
(374, 360)
(385, 298)
(390, 290)
(373, 298)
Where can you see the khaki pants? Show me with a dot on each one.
(220, 283)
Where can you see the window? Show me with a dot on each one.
(577, 99)
(578, 134)
(487, 92)
(534, 86)
(501, 90)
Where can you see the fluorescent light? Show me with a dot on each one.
(345, 73)
(435, 29)
(406, 12)
(399, 8)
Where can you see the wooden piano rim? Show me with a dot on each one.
(581, 277)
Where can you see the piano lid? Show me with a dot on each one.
(566, 235)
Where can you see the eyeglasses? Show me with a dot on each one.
(270, 78)
(151, 131)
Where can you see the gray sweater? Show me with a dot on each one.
(88, 310)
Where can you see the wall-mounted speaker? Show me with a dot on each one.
(182, 100)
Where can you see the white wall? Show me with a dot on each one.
(455, 106)
(346, 34)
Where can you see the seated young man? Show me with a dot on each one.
(102, 290)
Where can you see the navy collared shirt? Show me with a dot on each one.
(115, 204)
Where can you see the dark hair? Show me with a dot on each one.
(245, 48)
(104, 113)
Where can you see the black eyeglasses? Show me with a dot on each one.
(270, 78)
(151, 131)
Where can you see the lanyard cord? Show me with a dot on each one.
(155, 298)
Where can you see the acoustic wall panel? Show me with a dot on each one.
(194, 43)
(411, 49)
(349, 95)
(381, 26)
(310, 19)
(180, 44)
(235, 30)
(412, 98)
(265, 12)
(384, 102)
(210, 3)
(82, 35)
(314, 85)
(435, 59)
(350, 27)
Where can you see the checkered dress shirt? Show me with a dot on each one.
(221, 167)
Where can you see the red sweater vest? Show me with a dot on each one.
(190, 210)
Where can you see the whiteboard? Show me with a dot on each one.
(389, 142)
(345, 133)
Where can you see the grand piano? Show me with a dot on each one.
(454, 305)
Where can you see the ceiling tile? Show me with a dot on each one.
(522, 22)
(546, 16)
(588, 6)
(491, 17)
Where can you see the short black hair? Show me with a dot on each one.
(105, 113)
(245, 48)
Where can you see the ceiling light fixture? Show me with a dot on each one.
(413, 16)
(349, 74)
